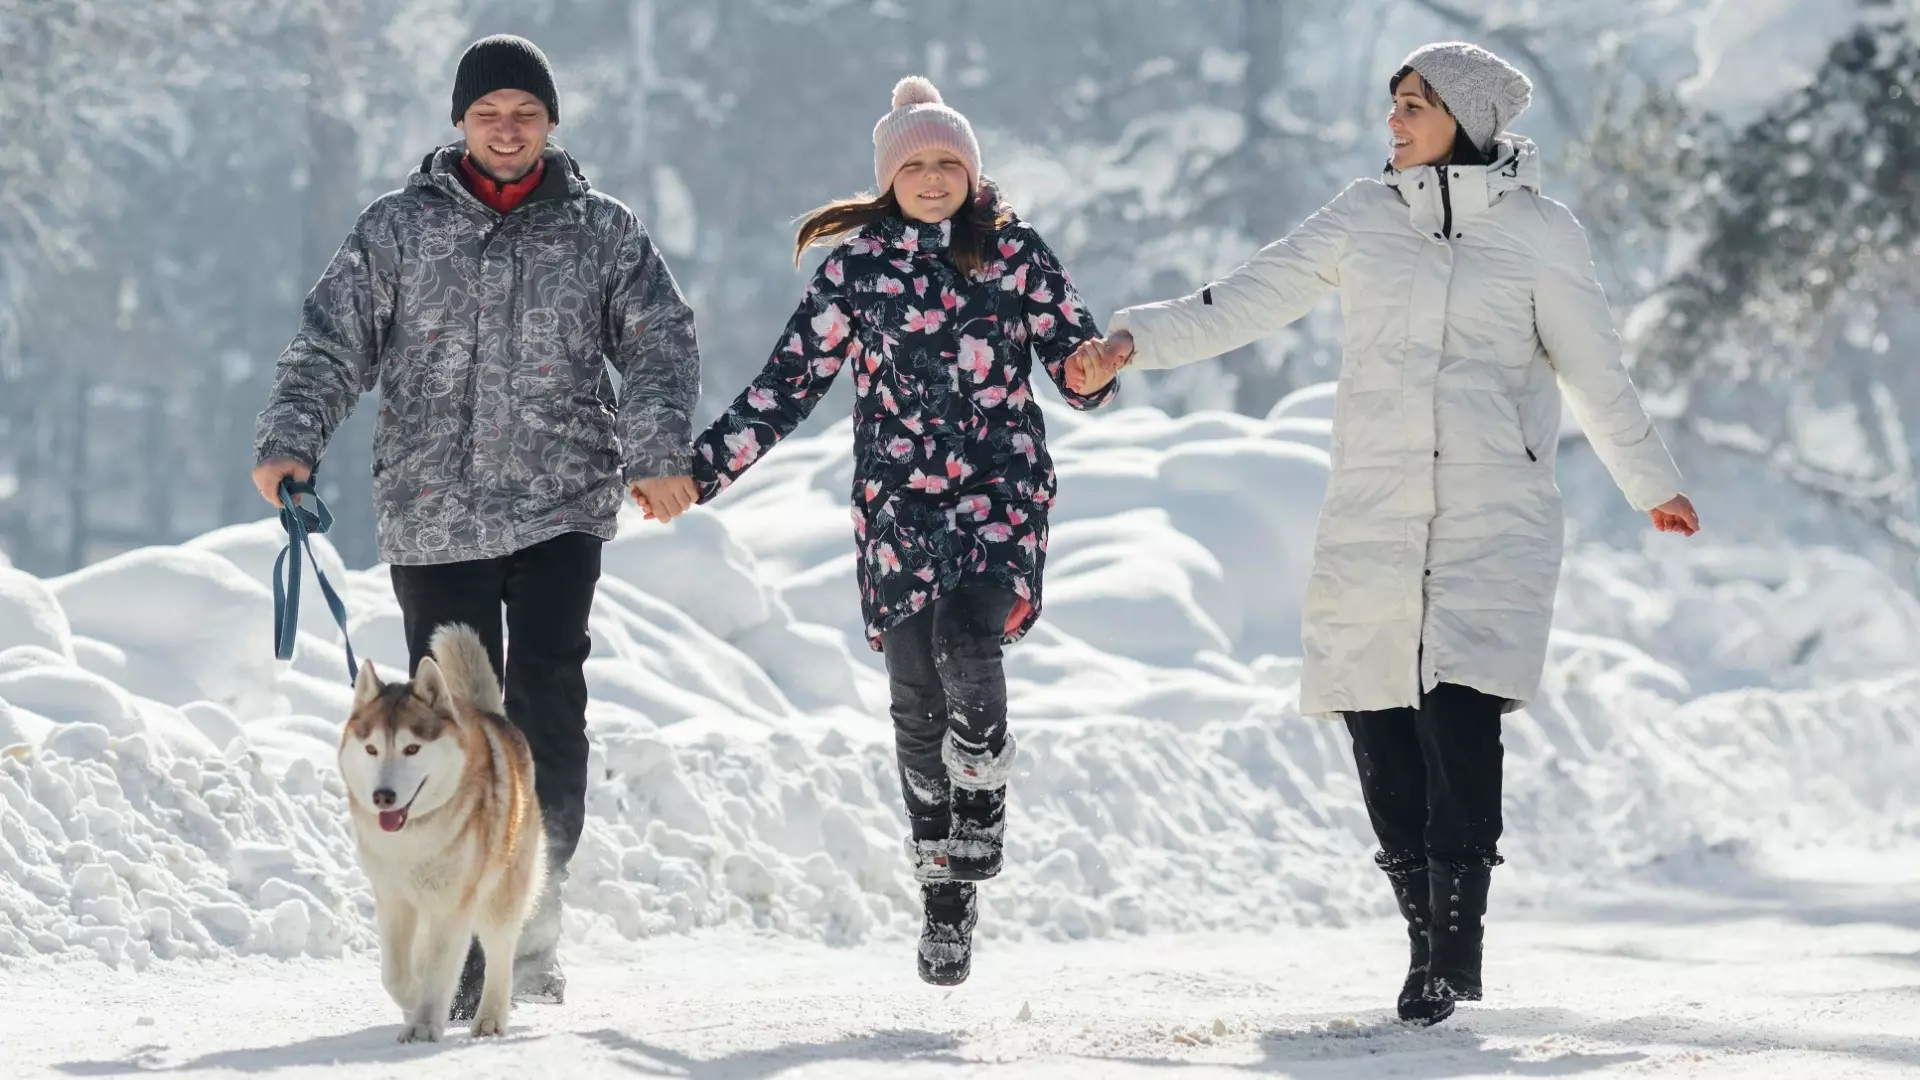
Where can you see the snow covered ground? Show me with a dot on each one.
(1759, 976)
(1184, 846)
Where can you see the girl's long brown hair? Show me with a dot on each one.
(974, 224)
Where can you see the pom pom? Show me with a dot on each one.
(915, 90)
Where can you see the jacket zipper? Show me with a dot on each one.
(1446, 205)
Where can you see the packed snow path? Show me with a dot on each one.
(1754, 975)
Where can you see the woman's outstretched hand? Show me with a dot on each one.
(1094, 364)
(664, 498)
(1676, 515)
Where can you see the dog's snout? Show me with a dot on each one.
(383, 799)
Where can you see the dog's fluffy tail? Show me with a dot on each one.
(464, 664)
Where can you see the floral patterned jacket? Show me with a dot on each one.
(952, 481)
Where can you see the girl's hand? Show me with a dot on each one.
(1676, 515)
(1094, 364)
(664, 498)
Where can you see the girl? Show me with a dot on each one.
(1470, 304)
(933, 298)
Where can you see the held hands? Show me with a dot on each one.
(1094, 364)
(1676, 515)
(664, 497)
(268, 474)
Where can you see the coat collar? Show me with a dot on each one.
(900, 234)
(1472, 189)
(439, 171)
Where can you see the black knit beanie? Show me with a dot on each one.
(503, 62)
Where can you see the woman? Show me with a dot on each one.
(1470, 305)
(936, 297)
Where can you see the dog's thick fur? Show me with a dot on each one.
(440, 789)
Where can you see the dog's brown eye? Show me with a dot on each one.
(373, 750)
(412, 749)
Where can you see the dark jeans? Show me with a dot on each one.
(946, 675)
(1431, 776)
(547, 590)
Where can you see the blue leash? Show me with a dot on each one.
(301, 524)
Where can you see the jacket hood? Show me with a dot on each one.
(1516, 165)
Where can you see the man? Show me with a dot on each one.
(486, 300)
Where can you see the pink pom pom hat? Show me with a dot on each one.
(921, 121)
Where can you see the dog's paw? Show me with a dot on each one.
(412, 1033)
(487, 1024)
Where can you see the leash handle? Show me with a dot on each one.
(302, 524)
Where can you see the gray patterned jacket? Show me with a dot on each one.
(489, 337)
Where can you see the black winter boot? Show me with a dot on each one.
(979, 778)
(1459, 904)
(946, 940)
(1408, 875)
(979, 830)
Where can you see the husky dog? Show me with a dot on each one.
(440, 789)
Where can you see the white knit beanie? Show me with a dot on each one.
(1483, 92)
(920, 121)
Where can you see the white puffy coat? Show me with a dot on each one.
(1470, 302)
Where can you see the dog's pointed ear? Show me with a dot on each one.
(430, 685)
(367, 686)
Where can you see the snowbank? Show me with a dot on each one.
(167, 788)
(1753, 52)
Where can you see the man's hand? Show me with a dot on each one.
(664, 497)
(1094, 364)
(1676, 515)
(268, 474)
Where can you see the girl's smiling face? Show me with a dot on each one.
(932, 185)
(1422, 129)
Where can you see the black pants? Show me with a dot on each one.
(944, 667)
(1431, 776)
(548, 592)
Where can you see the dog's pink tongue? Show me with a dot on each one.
(393, 820)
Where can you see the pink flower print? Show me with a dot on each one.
(996, 532)
(887, 402)
(920, 287)
(905, 266)
(888, 559)
(873, 490)
(746, 449)
(946, 231)
(899, 448)
(976, 357)
(835, 272)
(866, 245)
(910, 239)
(761, 400)
(1041, 323)
(1008, 249)
(830, 326)
(925, 322)
(861, 385)
(991, 397)
(1016, 516)
(925, 573)
(1071, 311)
(890, 286)
(916, 601)
(1028, 541)
(706, 451)
(795, 345)
(1041, 294)
(958, 469)
(974, 506)
(825, 367)
(932, 485)
(1023, 444)
(949, 300)
(1018, 399)
(913, 423)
